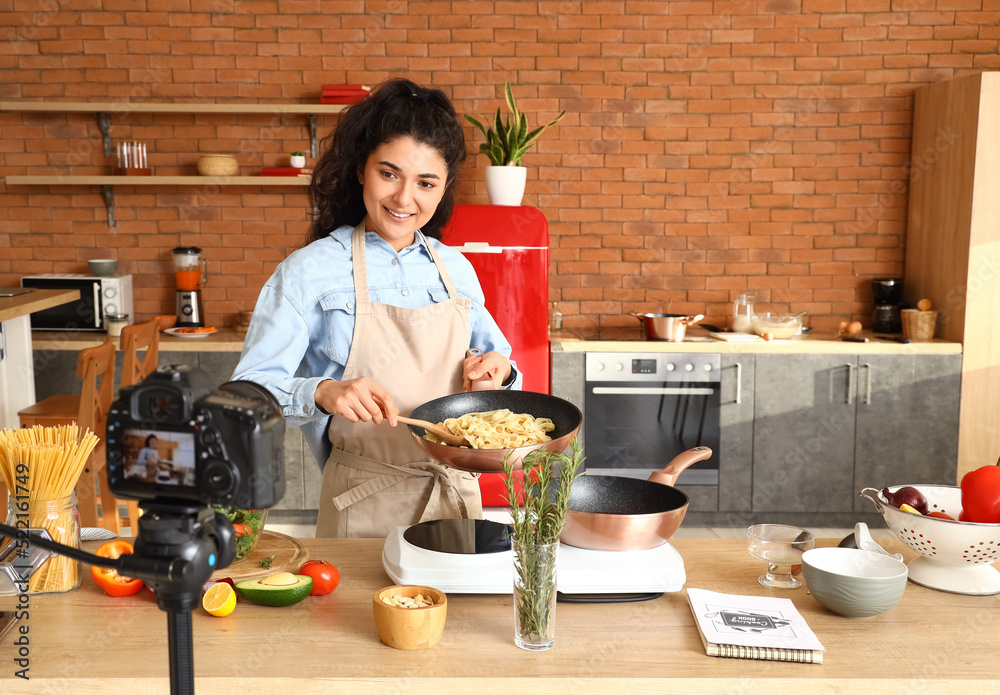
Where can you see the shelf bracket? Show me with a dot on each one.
(312, 135)
(104, 123)
(109, 201)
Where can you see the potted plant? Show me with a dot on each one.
(506, 142)
(298, 159)
(539, 505)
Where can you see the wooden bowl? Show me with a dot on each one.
(409, 628)
(166, 321)
(218, 165)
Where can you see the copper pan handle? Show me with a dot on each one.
(688, 320)
(638, 314)
(673, 469)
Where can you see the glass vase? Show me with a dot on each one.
(535, 595)
(58, 574)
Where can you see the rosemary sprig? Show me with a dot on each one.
(266, 562)
(537, 522)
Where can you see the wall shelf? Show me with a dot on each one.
(103, 111)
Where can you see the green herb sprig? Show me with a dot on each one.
(266, 562)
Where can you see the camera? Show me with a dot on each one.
(174, 437)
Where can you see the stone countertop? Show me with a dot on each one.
(700, 340)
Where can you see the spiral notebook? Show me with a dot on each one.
(753, 627)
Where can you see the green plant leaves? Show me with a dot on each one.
(508, 140)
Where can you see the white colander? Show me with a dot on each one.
(957, 556)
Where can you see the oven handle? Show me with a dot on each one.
(97, 305)
(739, 383)
(669, 391)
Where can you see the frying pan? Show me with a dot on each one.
(608, 512)
(564, 415)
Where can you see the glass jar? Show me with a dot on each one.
(58, 574)
(535, 595)
(742, 311)
(116, 322)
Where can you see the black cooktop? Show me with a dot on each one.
(460, 536)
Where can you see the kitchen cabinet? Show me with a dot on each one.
(736, 419)
(826, 426)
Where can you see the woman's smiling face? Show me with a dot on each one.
(403, 182)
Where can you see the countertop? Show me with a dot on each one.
(88, 643)
(223, 340)
(36, 300)
(700, 340)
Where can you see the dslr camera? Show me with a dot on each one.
(175, 438)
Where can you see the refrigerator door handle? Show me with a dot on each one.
(478, 247)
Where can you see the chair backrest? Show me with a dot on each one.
(95, 399)
(143, 336)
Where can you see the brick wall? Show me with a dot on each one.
(708, 147)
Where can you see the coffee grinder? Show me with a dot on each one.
(888, 293)
(190, 272)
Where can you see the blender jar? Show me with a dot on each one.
(742, 311)
(190, 268)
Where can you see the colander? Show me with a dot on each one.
(956, 556)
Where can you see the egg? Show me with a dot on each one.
(853, 328)
(924, 305)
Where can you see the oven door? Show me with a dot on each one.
(86, 314)
(643, 410)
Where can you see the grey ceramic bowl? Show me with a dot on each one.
(854, 583)
(103, 267)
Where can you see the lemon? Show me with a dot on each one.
(219, 600)
(908, 508)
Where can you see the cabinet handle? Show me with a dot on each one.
(868, 383)
(850, 383)
(739, 383)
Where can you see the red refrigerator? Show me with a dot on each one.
(509, 248)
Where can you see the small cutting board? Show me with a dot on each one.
(288, 557)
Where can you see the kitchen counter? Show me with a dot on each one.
(37, 300)
(88, 643)
(223, 340)
(699, 340)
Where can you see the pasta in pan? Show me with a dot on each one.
(498, 429)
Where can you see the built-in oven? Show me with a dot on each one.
(642, 409)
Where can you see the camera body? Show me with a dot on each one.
(174, 437)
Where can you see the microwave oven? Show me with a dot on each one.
(99, 296)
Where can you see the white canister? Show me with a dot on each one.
(116, 322)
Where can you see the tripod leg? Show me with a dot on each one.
(181, 653)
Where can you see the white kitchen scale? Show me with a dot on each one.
(474, 556)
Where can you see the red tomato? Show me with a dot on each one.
(325, 576)
(940, 515)
(242, 530)
(108, 579)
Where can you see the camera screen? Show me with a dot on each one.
(159, 457)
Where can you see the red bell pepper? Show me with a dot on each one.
(981, 495)
(113, 583)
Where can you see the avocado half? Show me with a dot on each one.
(281, 589)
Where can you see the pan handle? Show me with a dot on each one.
(638, 314)
(688, 320)
(673, 469)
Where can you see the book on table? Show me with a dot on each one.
(753, 627)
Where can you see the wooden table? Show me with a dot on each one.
(86, 642)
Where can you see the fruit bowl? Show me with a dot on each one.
(956, 556)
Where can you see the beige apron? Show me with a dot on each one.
(376, 477)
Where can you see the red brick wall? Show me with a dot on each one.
(708, 147)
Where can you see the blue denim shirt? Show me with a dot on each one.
(303, 324)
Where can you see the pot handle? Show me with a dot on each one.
(638, 314)
(673, 469)
(688, 320)
(873, 498)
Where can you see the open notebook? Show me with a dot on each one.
(753, 627)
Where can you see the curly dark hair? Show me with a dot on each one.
(396, 108)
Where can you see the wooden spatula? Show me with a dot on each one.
(441, 432)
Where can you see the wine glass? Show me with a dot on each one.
(780, 546)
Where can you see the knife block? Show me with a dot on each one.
(131, 171)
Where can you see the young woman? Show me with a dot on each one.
(374, 316)
(146, 464)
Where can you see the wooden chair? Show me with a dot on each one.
(145, 337)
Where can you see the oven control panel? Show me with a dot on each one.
(653, 366)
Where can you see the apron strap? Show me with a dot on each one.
(442, 475)
(445, 277)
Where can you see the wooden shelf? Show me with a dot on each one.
(139, 107)
(158, 180)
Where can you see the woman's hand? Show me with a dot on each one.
(358, 400)
(493, 364)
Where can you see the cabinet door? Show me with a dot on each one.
(803, 434)
(736, 432)
(907, 428)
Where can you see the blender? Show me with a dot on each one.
(190, 273)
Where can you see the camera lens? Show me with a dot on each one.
(218, 478)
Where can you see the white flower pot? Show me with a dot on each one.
(505, 185)
(298, 161)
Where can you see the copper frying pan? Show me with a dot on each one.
(608, 512)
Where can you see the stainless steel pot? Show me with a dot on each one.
(669, 327)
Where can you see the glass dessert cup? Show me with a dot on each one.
(780, 546)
